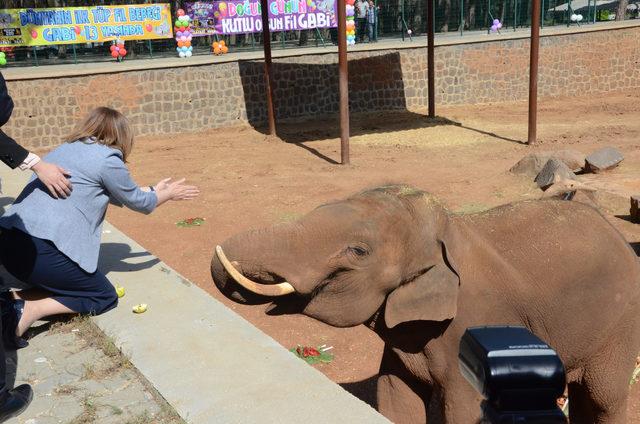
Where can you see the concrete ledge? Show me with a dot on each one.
(210, 364)
(442, 39)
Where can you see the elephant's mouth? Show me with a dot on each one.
(275, 289)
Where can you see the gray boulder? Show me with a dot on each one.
(604, 159)
(532, 164)
(553, 172)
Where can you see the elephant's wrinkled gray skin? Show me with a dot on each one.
(394, 259)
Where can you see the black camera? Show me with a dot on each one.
(519, 375)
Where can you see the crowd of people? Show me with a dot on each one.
(55, 254)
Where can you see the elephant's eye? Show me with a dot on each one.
(358, 250)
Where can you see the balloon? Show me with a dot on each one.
(494, 28)
(574, 17)
(180, 12)
(496, 21)
(3, 61)
(216, 45)
(190, 48)
(2, 55)
(117, 49)
(183, 38)
(580, 17)
(222, 43)
(499, 25)
(187, 43)
(409, 31)
(121, 45)
(123, 52)
(177, 23)
(114, 54)
(113, 47)
(178, 49)
(188, 54)
(182, 54)
(180, 44)
(189, 38)
(179, 34)
(34, 34)
(77, 29)
(225, 49)
(149, 27)
(216, 50)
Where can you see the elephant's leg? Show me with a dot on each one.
(400, 397)
(460, 401)
(399, 402)
(601, 395)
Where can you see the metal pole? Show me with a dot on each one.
(533, 70)
(430, 60)
(542, 17)
(515, 14)
(35, 55)
(268, 77)
(461, 16)
(403, 26)
(343, 69)
(75, 56)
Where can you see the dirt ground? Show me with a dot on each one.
(249, 181)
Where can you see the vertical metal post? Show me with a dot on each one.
(515, 14)
(542, 10)
(343, 73)
(533, 70)
(402, 27)
(431, 60)
(461, 16)
(268, 78)
(35, 55)
(150, 49)
(75, 56)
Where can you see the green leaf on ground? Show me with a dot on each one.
(190, 222)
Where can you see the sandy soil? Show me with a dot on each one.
(250, 181)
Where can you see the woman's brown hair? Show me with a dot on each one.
(105, 126)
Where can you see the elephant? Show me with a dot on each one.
(396, 260)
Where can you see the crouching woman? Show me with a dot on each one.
(52, 245)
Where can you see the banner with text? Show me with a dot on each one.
(91, 24)
(242, 17)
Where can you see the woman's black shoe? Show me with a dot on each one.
(13, 402)
(10, 319)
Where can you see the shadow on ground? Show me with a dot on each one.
(306, 100)
(365, 390)
(113, 257)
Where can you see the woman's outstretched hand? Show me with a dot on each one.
(175, 190)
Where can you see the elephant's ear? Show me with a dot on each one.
(433, 296)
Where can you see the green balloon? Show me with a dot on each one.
(2, 55)
(3, 61)
(178, 23)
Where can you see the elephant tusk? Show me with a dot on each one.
(271, 290)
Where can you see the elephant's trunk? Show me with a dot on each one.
(249, 267)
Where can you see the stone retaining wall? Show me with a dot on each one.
(165, 101)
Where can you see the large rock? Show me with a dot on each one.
(532, 164)
(604, 159)
(553, 172)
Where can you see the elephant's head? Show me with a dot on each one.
(391, 246)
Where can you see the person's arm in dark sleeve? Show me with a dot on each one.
(11, 153)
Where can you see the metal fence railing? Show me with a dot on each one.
(395, 19)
